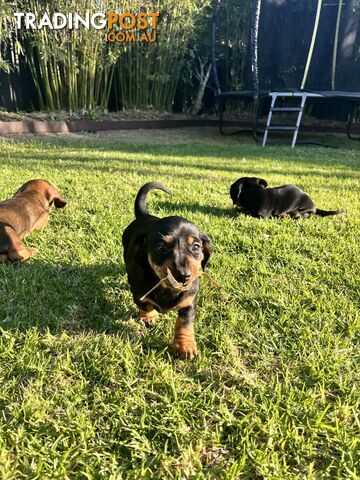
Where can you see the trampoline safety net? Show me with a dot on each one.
(309, 44)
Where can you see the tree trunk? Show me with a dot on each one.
(203, 80)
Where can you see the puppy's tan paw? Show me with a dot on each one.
(149, 318)
(184, 344)
(26, 253)
(19, 255)
(185, 348)
(32, 251)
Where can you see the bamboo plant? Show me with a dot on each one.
(72, 69)
(147, 74)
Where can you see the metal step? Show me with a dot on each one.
(294, 129)
(282, 128)
(285, 109)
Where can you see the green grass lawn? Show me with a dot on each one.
(88, 392)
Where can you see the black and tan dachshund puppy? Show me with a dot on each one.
(251, 196)
(154, 246)
(26, 211)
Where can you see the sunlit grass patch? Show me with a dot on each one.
(88, 392)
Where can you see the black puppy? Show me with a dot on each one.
(152, 248)
(250, 195)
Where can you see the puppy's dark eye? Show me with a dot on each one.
(161, 247)
(196, 248)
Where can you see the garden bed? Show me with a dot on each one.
(38, 126)
(45, 122)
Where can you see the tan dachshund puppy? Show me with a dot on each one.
(26, 211)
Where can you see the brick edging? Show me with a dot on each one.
(38, 126)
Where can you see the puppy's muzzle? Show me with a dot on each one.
(182, 276)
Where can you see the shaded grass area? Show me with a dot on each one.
(87, 392)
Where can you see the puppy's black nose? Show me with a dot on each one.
(184, 277)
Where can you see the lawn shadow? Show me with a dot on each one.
(197, 208)
(74, 299)
(166, 158)
(62, 297)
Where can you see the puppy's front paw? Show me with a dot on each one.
(32, 251)
(27, 253)
(22, 254)
(185, 348)
(149, 318)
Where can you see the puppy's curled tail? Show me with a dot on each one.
(140, 201)
(326, 213)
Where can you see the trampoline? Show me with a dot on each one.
(298, 53)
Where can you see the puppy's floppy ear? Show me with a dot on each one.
(262, 182)
(258, 181)
(235, 190)
(138, 249)
(206, 249)
(54, 196)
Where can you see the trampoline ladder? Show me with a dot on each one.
(285, 128)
